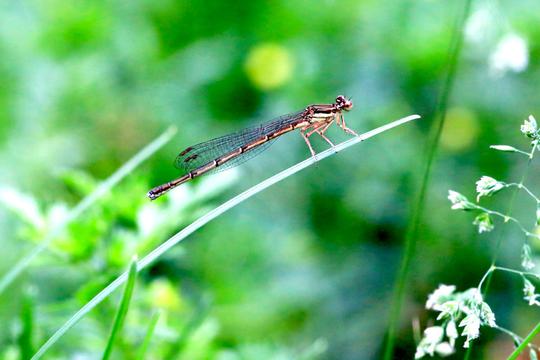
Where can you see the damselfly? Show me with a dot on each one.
(233, 149)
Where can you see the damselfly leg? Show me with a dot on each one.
(343, 125)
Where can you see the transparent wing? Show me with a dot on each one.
(201, 154)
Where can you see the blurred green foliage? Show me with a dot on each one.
(301, 271)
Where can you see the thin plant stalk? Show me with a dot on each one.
(412, 231)
(85, 203)
(188, 230)
(120, 316)
(28, 327)
(148, 337)
(523, 345)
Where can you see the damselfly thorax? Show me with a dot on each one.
(230, 150)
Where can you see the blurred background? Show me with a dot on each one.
(305, 269)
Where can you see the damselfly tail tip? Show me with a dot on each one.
(152, 195)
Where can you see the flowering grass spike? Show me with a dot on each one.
(468, 309)
(459, 202)
(530, 128)
(488, 186)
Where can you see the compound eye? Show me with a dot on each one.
(340, 99)
(347, 104)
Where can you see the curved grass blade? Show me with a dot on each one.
(85, 203)
(188, 230)
(148, 337)
(122, 309)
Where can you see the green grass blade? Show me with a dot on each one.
(412, 232)
(122, 309)
(27, 320)
(188, 230)
(85, 203)
(148, 337)
(525, 342)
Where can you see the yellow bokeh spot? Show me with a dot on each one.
(269, 66)
(460, 130)
(536, 241)
(165, 296)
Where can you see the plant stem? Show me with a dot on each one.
(412, 231)
(513, 271)
(490, 270)
(513, 335)
(506, 219)
(521, 186)
(522, 273)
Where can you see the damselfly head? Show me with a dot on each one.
(344, 103)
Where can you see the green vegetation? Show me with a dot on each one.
(98, 98)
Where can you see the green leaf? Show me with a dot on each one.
(123, 309)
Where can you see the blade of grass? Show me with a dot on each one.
(27, 320)
(178, 346)
(148, 337)
(525, 342)
(411, 235)
(181, 235)
(85, 203)
(122, 309)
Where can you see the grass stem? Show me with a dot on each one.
(417, 213)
